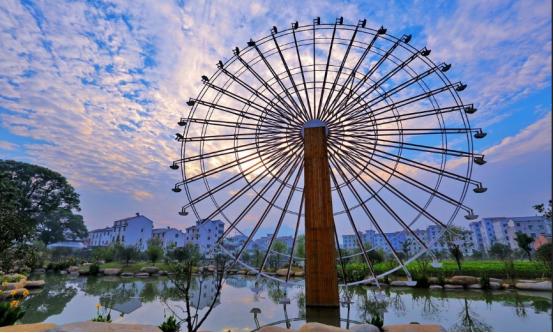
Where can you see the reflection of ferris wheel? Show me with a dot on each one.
(396, 141)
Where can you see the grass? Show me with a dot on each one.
(523, 269)
(134, 267)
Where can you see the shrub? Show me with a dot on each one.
(102, 314)
(10, 312)
(170, 324)
(94, 269)
(485, 281)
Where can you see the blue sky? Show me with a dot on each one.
(93, 89)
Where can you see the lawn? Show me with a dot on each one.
(134, 267)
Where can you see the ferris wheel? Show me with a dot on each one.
(397, 144)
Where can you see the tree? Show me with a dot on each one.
(127, 253)
(454, 239)
(154, 250)
(546, 212)
(524, 242)
(37, 200)
(278, 247)
(500, 251)
(300, 247)
(188, 254)
(544, 254)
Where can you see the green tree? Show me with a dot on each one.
(278, 247)
(300, 246)
(524, 242)
(544, 254)
(546, 212)
(154, 250)
(36, 196)
(500, 251)
(454, 239)
(188, 254)
(127, 253)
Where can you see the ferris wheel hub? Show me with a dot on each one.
(312, 123)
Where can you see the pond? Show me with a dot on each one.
(132, 300)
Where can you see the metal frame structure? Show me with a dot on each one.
(399, 140)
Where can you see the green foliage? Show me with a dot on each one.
(127, 253)
(546, 212)
(154, 250)
(106, 253)
(355, 271)
(377, 320)
(170, 324)
(500, 251)
(10, 312)
(524, 242)
(12, 278)
(94, 269)
(275, 258)
(189, 254)
(485, 281)
(300, 247)
(103, 314)
(544, 254)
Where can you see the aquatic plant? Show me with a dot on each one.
(10, 312)
(170, 324)
(103, 315)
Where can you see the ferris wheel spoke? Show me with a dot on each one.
(352, 75)
(339, 71)
(376, 85)
(365, 78)
(408, 131)
(303, 108)
(409, 180)
(308, 102)
(366, 109)
(423, 148)
(270, 116)
(280, 161)
(300, 208)
(371, 218)
(380, 121)
(283, 212)
(382, 182)
(293, 105)
(279, 109)
(352, 223)
(267, 209)
(322, 91)
(374, 193)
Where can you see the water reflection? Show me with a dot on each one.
(66, 299)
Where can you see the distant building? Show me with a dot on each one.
(132, 231)
(169, 237)
(262, 243)
(503, 230)
(99, 237)
(235, 242)
(205, 234)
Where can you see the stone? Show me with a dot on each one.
(413, 328)
(433, 280)
(112, 271)
(39, 271)
(74, 273)
(85, 270)
(73, 269)
(299, 273)
(474, 286)
(252, 273)
(271, 328)
(162, 273)
(150, 270)
(142, 274)
(494, 285)
(13, 285)
(127, 274)
(39, 327)
(435, 286)
(541, 286)
(400, 283)
(91, 326)
(506, 286)
(63, 272)
(282, 272)
(241, 272)
(463, 280)
(364, 328)
(527, 281)
(453, 286)
(495, 280)
(318, 327)
(34, 284)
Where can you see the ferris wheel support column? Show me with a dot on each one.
(321, 271)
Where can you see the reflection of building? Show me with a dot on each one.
(169, 237)
(128, 306)
(503, 230)
(204, 293)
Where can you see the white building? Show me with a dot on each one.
(132, 231)
(99, 237)
(503, 230)
(169, 237)
(205, 234)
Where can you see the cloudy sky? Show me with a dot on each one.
(93, 89)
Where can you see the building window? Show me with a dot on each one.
(141, 229)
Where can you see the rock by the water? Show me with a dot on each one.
(39, 271)
(73, 269)
(63, 272)
(400, 283)
(39, 327)
(541, 286)
(463, 280)
(112, 271)
(91, 326)
(494, 285)
(142, 274)
(474, 286)
(414, 328)
(495, 280)
(162, 272)
(127, 274)
(272, 329)
(435, 286)
(282, 272)
(453, 286)
(364, 328)
(150, 270)
(34, 284)
(13, 285)
(433, 280)
(506, 286)
(299, 273)
(318, 327)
